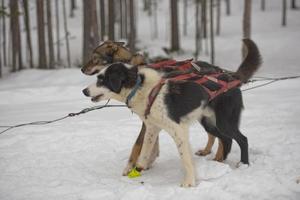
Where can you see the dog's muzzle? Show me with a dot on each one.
(86, 92)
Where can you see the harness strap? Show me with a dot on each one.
(152, 96)
(134, 90)
(225, 86)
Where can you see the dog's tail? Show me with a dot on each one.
(251, 63)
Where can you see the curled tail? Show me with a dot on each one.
(251, 62)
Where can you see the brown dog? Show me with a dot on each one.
(111, 52)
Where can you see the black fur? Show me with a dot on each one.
(118, 76)
(182, 98)
(227, 108)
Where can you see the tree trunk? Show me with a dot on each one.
(212, 42)
(50, 35)
(263, 5)
(132, 26)
(155, 35)
(16, 36)
(28, 32)
(284, 10)
(90, 29)
(228, 7)
(246, 22)
(218, 28)
(175, 46)
(111, 20)
(41, 34)
(102, 19)
(198, 30)
(204, 17)
(293, 4)
(58, 60)
(66, 33)
(4, 36)
(73, 6)
(185, 17)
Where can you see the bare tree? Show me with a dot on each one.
(198, 30)
(111, 20)
(218, 28)
(212, 42)
(41, 34)
(4, 33)
(175, 45)
(73, 7)
(50, 35)
(28, 32)
(293, 4)
(155, 32)
(102, 19)
(16, 36)
(263, 5)
(90, 31)
(58, 60)
(185, 5)
(284, 10)
(132, 34)
(204, 24)
(66, 33)
(246, 22)
(227, 7)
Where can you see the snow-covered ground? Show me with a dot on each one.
(83, 157)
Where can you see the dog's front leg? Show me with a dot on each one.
(180, 136)
(149, 142)
(135, 152)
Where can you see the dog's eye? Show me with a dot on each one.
(100, 80)
(95, 58)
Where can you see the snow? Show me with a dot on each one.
(83, 157)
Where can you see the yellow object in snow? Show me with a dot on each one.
(134, 173)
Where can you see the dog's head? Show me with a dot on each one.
(111, 81)
(106, 53)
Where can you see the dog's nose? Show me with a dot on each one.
(82, 70)
(86, 92)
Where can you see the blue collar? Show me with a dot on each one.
(134, 90)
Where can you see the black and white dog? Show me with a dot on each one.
(176, 106)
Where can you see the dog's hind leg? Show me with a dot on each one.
(208, 147)
(243, 143)
(224, 141)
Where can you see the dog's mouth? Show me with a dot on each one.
(96, 98)
(95, 72)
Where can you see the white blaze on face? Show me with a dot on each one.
(99, 93)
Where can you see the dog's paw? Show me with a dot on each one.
(203, 152)
(218, 158)
(127, 169)
(241, 165)
(188, 182)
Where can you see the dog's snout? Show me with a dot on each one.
(86, 92)
(82, 70)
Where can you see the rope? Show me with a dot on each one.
(271, 80)
(61, 118)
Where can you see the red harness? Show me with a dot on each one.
(224, 86)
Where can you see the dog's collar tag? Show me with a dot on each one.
(134, 90)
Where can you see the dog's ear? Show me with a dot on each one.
(116, 81)
(120, 43)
